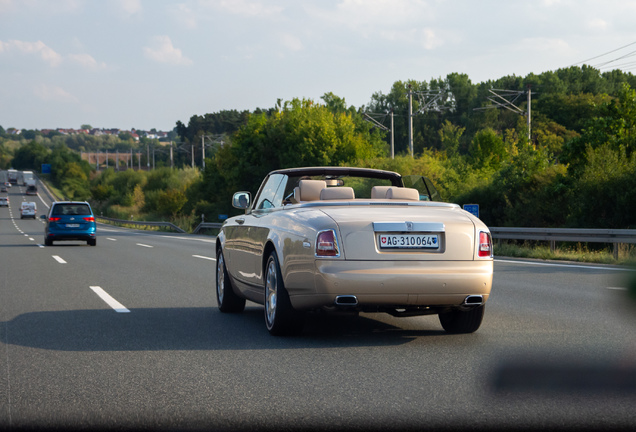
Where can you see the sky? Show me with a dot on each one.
(147, 64)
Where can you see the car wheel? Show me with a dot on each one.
(226, 298)
(92, 242)
(280, 317)
(462, 321)
(48, 242)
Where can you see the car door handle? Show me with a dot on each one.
(240, 221)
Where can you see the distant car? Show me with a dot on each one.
(7, 184)
(27, 210)
(70, 220)
(3, 188)
(353, 239)
(4, 202)
(31, 190)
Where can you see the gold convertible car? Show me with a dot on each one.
(354, 239)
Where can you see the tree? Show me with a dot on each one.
(30, 156)
(450, 136)
(171, 202)
(615, 125)
(487, 149)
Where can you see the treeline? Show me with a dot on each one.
(576, 170)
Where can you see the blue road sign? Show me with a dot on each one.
(472, 208)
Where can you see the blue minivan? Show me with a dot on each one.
(70, 220)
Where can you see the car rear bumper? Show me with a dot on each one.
(70, 236)
(396, 283)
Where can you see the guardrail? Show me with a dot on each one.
(141, 223)
(207, 225)
(582, 235)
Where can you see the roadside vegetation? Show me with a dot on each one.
(577, 169)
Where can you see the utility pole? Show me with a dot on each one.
(171, 160)
(203, 151)
(392, 137)
(148, 156)
(506, 99)
(529, 111)
(410, 121)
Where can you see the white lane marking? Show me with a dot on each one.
(144, 245)
(58, 259)
(43, 202)
(118, 307)
(30, 238)
(187, 238)
(616, 288)
(111, 239)
(41, 245)
(581, 266)
(204, 257)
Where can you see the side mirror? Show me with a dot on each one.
(43, 217)
(241, 200)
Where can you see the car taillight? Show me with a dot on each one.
(89, 219)
(54, 219)
(485, 244)
(326, 244)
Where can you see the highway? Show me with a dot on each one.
(127, 335)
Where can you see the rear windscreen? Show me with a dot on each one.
(71, 209)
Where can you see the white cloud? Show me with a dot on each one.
(38, 48)
(291, 42)
(6, 6)
(129, 7)
(426, 37)
(165, 52)
(86, 61)
(245, 7)
(597, 24)
(54, 94)
(543, 45)
(184, 15)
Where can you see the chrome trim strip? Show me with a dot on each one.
(404, 227)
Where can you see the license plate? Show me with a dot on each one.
(72, 225)
(409, 241)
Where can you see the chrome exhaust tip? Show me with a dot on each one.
(346, 300)
(473, 300)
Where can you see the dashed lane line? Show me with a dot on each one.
(110, 301)
(204, 257)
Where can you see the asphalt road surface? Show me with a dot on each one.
(127, 335)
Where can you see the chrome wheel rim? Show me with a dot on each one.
(220, 278)
(271, 293)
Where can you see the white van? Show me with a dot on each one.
(27, 209)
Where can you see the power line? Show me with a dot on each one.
(604, 54)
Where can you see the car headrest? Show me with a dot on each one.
(409, 194)
(309, 190)
(337, 193)
(379, 192)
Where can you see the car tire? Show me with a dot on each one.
(281, 318)
(462, 321)
(92, 242)
(48, 242)
(226, 298)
